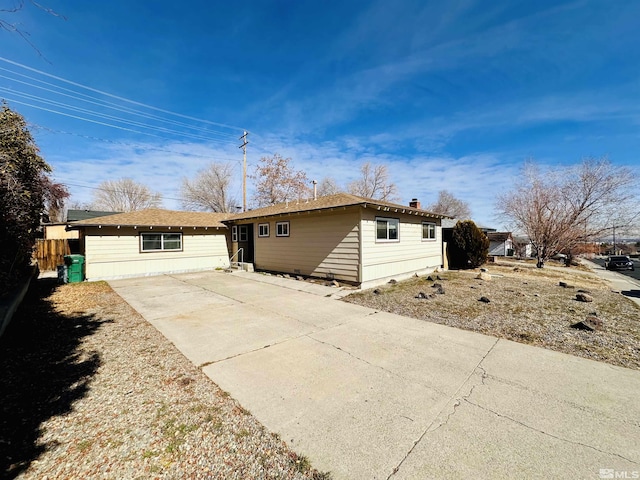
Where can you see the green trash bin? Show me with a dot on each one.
(75, 268)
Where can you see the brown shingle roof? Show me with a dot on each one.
(328, 202)
(156, 217)
(498, 236)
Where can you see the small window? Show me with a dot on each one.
(263, 230)
(159, 242)
(234, 233)
(428, 231)
(282, 229)
(387, 229)
(244, 233)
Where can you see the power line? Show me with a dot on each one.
(132, 145)
(95, 90)
(92, 100)
(106, 116)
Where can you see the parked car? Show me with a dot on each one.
(618, 262)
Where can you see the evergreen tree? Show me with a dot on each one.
(470, 246)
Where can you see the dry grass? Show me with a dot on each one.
(527, 305)
(95, 391)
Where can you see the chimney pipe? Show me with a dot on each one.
(414, 203)
(315, 190)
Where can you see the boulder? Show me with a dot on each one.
(484, 300)
(591, 323)
(393, 281)
(439, 288)
(483, 276)
(377, 292)
(583, 297)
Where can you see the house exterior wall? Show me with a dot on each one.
(500, 249)
(115, 253)
(325, 245)
(382, 261)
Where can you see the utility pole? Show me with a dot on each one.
(245, 142)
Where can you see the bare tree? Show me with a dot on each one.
(55, 196)
(277, 182)
(374, 183)
(448, 204)
(560, 210)
(124, 195)
(15, 27)
(328, 186)
(209, 190)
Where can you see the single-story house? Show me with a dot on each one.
(343, 237)
(152, 242)
(500, 244)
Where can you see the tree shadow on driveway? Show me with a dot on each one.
(43, 372)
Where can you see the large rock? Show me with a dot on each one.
(483, 276)
(583, 297)
(591, 323)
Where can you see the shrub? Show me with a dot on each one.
(23, 184)
(470, 246)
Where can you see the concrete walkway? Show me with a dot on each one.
(371, 395)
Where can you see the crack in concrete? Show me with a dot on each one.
(565, 440)
(391, 372)
(455, 406)
(206, 364)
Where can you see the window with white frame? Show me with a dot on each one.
(160, 242)
(387, 229)
(243, 233)
(234, 233)
(428, 231)
(282, 229)
(263, 230)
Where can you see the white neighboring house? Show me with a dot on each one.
(500, 244)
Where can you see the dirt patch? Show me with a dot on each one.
(523, 304)
(91, 390)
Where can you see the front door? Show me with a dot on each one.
(245, 241)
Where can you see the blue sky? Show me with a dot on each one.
(449, 95)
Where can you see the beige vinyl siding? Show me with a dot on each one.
(115, 253)
(411, 254)
(320, 245)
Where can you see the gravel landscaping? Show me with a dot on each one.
(91, 390)
(525, 304)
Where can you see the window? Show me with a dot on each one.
(282, 229)
(387, 229)
(158, 242)
(244, 233)
(234, 233)
(263, 230)
(428, 231)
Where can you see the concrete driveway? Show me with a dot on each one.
(371, 395)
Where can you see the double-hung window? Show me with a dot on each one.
(263, 230)
(282, 229)
(160, 242)
(387, 229)
(428, 231)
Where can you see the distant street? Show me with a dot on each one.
(630, 273)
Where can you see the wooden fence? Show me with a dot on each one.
(50, 253)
